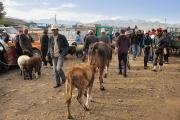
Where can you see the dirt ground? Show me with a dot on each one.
(143, 95)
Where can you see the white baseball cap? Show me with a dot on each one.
(103, 30)
(54, 27)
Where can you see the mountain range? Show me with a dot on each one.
(142, 24)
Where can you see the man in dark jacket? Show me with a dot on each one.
(44, 47)
(25, 41)
(146, 45)
(123, 44)
(90, 39)
(58, 48)
(135, 42)
(161, 43)
(166, 49)
(18, 47)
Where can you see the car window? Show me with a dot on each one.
(1, 47)
(4, 45)
(35, 37)
(11, 30)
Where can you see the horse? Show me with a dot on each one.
(82, 77)
(100, 55)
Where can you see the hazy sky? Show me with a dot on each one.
(93, 10)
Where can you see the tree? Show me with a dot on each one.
(2, 12)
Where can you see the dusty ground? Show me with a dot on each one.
(144, 95)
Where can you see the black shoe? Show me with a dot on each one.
(120, 72)
(125, 75)
(58, 85)
(145, 67)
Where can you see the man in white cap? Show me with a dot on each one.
(58, 48)
(104, 38)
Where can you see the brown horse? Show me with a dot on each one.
(100, 55)
(82, 77)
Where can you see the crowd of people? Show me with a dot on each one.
(152, 44)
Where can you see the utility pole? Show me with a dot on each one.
(55, 21)
(165, 21)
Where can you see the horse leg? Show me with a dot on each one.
(101, 70)
(106, 71)
(79, 98)
(87, 99)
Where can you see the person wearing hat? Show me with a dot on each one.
(58, 48)
(25, 41)
(161, 43)
(146, 45)
(104, 38)
(90, 39)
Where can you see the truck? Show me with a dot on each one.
(175, 39)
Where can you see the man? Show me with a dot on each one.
(146, 45)
(152, 35)
(123, 44)
(18, 47)
(44, 47)
(135, 41)
(58, 48)
(90, 39)
(166, 49)
(161, 43)
(25, 41)
(78, 38)
(104, 38)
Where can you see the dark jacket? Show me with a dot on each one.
(25, 42)
(44, 42)
(161, 44)
(123, 44)
(90, 39)
(18, 47)
(135, 39)
(63, 45)
(147, 42)
(105, 39)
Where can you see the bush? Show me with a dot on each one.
(5, 22)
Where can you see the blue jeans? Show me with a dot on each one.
(135, 49)
(57, 68)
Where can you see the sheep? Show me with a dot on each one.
(23, 65)
(79, 49)
(81, 77)
(72, 50)
(36, 63)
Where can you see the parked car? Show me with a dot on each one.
(8, 55)
(11, 31)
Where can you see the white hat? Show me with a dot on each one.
(152, 36)
(54, 27)
(103, 30)
(89, 31)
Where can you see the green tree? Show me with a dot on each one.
(2, 12)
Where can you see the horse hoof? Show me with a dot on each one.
(70, 117)
(86, 108)
(105, 76)
(102, 88)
